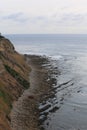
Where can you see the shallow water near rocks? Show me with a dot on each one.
(67, 109)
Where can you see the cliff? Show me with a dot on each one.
(14, 78)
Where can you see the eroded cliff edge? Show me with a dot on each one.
(14, 79)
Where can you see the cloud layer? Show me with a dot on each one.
(48, 16)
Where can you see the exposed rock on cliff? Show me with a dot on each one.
(14, 78)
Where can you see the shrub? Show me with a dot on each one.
(17, 76)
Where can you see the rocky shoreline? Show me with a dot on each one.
(26, 113)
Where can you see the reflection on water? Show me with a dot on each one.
(66, 109)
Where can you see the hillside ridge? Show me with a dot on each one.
(14, 79)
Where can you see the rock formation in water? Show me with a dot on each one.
(14, 78)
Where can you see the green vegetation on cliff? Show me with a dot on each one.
(18, 77)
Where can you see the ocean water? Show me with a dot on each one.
(49, 44)
(68, 54)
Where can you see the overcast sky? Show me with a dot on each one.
(43, 16)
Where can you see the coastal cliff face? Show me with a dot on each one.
(14, 79)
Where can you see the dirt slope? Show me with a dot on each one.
(14, 79)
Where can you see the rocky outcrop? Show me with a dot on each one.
(14, 79)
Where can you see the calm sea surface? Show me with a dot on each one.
(68, 53)
(52, 45)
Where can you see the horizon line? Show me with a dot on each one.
(44, 34)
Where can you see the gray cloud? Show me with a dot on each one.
(17, 17)
(70, 19)
(73, 17)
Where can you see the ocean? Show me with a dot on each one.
(68, 54)
(48, 44)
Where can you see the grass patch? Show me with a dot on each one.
(6, 98)
(17, 76)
